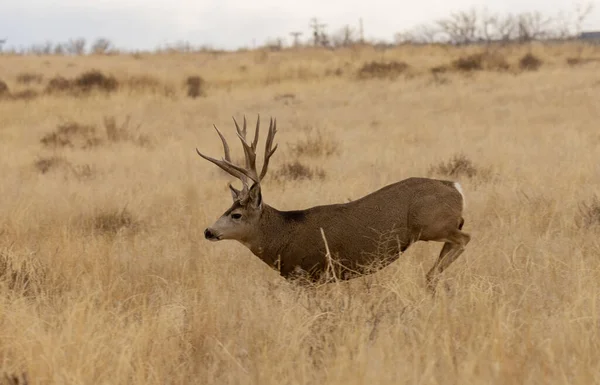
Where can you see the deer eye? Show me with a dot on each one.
(236, 216)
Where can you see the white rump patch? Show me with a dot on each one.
(458, 187)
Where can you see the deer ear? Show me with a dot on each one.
(255, 196)
(235, 193)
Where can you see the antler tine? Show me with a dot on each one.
(249, 152)
(268, 150)
(255, 141)
(225, 145)
(226, 166)
(226, 163)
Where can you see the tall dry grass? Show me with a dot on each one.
(106, 277)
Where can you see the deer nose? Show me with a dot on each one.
(208, 234)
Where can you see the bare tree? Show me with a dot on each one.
(533, 26)
(75, 46)
(59, 49)
(46, 48)
(2, 42)
(422, 34)
(102, 46)
(582, 12)
(461, 27)
(504, 27)
(473, 26)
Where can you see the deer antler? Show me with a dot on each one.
(249, 172)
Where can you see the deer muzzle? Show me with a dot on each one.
(211, 235)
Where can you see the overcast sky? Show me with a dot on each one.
(229, 24)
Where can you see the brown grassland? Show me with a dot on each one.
(105, 276)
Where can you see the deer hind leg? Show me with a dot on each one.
(453, 247)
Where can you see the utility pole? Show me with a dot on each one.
(296, 35)
(317, 28)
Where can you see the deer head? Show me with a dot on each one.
(239, 222)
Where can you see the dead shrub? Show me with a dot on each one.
(195, 86)
(298, 171)
(530, 62)
(26, 95)
(110, 222)
(589, 213)
(71, 134)
(76, 135)
(58, 84)
(468, 63)
(148, 84)
(56, 163)
(287, 98)
(22, 273)
(82, 171)
(439, 69)
(95, 80)
(44, 165)
(460, 166)
(315, 144)
(15, 379)
(381, 70)
(87, 82)
(29, 78)
(575, 61)
(489, 61)
(4, 91)
(334, 72)
(123, 132)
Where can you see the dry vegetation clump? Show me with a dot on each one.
(123, 132)
(58, 163)
(337, 72)
(530, 62)
(488, 61)
(87, 82)
(58, 84)
(589, 213)
(315, 144)
(29, 78)
(149, 84)
(21, 273)
(26, 95)
(195, 86)
(4, 91)
(576, 61)
(111, 222)
(71, 134)
(46, 164)
(287, 98)
(298, 171)
(381, 70)
(84, 136)
(95, 80)
(460, 166)
(16, 379)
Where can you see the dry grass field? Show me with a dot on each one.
(105, 276)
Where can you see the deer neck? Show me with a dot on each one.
(272, 234)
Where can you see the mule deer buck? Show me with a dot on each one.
(386, 221)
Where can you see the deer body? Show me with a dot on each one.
(376, 227)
